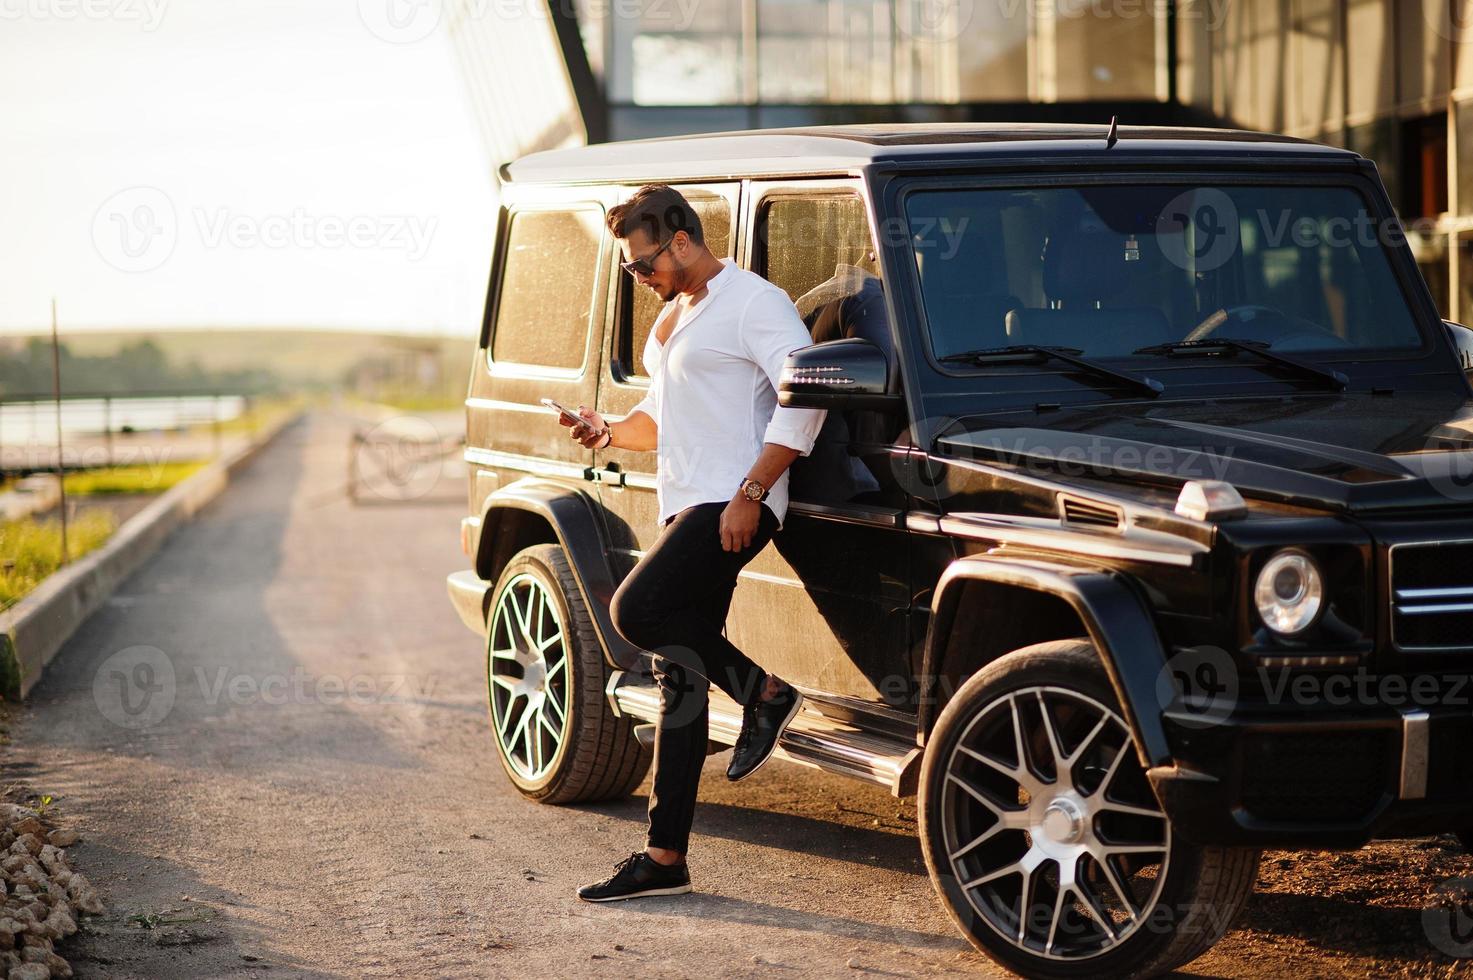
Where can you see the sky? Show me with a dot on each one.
(197, 163)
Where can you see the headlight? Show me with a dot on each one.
(1289, 592)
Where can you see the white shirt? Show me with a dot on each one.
(713, 391)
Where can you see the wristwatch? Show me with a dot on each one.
(753, 490)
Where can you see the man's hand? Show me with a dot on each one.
(739, 523)
(590, 432)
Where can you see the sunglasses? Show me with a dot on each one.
(645, 266)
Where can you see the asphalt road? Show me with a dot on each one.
(308, 788)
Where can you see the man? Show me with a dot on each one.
(723, 447)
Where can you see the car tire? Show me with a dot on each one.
(1030, 770)
(556, 735)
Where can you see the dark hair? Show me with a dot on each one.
(660, 210)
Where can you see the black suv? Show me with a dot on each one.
(1139, 536)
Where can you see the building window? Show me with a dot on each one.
(1424, 167)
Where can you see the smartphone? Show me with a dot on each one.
(566, 412)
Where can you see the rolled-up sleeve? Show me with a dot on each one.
(650, 403)
(770, 331)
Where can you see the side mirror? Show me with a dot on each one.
(839, 375)
(1462, 338)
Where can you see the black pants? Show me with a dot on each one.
(674, 604)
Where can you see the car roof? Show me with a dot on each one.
(848, 149)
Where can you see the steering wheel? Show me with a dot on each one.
(1310, 334)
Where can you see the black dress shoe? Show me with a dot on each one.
(762, 723)
(637, 876)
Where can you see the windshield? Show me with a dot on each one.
(1110, 269)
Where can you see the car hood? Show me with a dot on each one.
(1356, 452)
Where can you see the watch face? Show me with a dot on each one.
(752, 490)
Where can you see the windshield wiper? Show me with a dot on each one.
(1328, 376)
(1035, 354)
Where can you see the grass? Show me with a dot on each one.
(30, 549)
(142, 478)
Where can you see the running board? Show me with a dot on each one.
(811, 739)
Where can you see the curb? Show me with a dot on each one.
(40, 624)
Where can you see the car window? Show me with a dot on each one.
(808, 243)
(547, 288)
(639, 305)
(1108, 269)
(819, 250)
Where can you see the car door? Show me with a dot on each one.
(626, 480)
(825, 605)
(548, 284)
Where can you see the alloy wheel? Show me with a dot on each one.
(527, 676)
(1050, 826)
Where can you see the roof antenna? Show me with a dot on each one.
(1113, 137)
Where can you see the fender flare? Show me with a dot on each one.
(1114, 614)
(573, 517)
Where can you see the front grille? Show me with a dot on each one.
(1432, 596)
(1335, 777)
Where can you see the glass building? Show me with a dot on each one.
(1392, 79)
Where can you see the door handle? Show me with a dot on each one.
(609, 475)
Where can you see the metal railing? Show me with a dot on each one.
(43, 406)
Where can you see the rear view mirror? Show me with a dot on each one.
(840, 375)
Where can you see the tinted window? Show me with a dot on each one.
(1110, 269)
(805, 242)
(819, 250)
(547, 288)
(640, 305)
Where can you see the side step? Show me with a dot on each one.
(812, 739)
